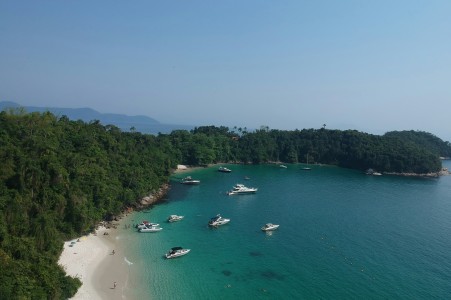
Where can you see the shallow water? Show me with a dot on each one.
(342, 235)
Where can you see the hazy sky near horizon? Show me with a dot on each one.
(373, 66)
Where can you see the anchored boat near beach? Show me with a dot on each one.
(240, 189)
(145, 224)
(177, 252)
(189, 181)
(372, 172)
(224, 170)
(150, 228)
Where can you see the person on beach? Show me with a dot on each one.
(114, 285)
(113, 252)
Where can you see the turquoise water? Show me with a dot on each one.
(342, 235)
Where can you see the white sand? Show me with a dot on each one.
(90, 256)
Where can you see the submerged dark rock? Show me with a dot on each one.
(270, 274)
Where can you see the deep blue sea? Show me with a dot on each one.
(342, 235)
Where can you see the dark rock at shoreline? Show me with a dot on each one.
(152, 198)
(442, 172)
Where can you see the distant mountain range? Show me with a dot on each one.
(142, 124)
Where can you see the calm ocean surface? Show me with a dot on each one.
(342, 235)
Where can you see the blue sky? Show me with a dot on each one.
(373, 66)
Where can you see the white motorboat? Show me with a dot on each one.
(174, 218)
(144, 224)
(224, 170)
(218, 221)
(240, 189)
(190, 181)
(372, 172)
(150, 229)
(269, 227)
(283, 166)
(177, 252)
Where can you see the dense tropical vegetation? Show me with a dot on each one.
(425, 140)
(60, 177)
(350, 148)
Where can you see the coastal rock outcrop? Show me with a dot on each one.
(153, 197)
(442, 172)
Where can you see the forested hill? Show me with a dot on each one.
(59, 178)
(425, 140)
(142, 124)
(350, 149)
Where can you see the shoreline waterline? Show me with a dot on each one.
(91, 259)
(343, 213)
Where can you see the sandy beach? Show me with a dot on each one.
(181, 169)
(91, 259)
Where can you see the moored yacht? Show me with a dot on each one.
(150, 229)
(190, 181)
(224, 170)
(144, 224)
(240, 189)
(174, 218)
(218, 221)
(176, 252)
(269, 227)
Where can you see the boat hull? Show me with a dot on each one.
(144, 230)
(241, 193)
(175, 219)
(142, 226)
(271, 228)
(224, 170)
(220, 223)
(177, 254)
(192, 182)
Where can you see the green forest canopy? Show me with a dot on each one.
(61, 177)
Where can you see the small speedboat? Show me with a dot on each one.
(269, 227)
(372, 172)
(218, 221)
(174, 218)
(176, 252)
(189, 181)
(224, 170)
(283, 166)
(150, 229)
